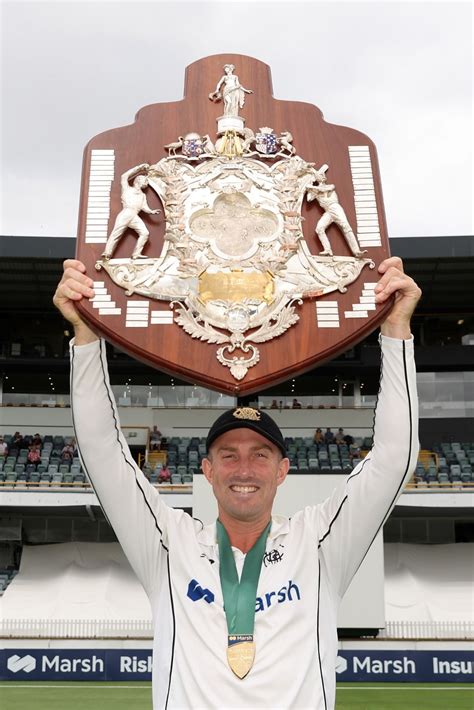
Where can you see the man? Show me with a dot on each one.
(188, 570)
(328, 436)
(155, 438)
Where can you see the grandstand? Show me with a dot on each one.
(66, 588)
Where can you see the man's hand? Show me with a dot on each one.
(407, 295)
(73, 287)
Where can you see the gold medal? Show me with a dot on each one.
(240, 653)
(239, 599)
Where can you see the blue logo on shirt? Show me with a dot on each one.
(288, 592)
(196, 592)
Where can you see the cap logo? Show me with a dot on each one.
(247, 413)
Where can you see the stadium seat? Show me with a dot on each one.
(181, 471)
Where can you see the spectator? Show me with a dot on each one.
(339, 439)
(328, 436)
(165, 475)
(34, 454)
(17, 441)
(3, 447)
(155, 439)
(295, 404)
(66, 456)
(318, 437)
(37, 440)
(348, 439)
(274, 404)
(68, 449)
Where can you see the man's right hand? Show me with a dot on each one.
(73, 287)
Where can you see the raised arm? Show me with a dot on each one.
(131, 504)
(350, 519)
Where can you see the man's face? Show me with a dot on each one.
(244, 470)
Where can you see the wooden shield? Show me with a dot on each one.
(262, 260)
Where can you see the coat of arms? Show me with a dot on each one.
(241, 250)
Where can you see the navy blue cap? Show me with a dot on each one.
(248, 418)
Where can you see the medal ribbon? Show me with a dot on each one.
(239, 597)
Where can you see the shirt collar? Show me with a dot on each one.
(207, 534)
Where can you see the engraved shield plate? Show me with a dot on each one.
(222, 265)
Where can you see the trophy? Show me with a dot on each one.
(233, 238)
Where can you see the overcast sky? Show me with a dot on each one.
(399, 71)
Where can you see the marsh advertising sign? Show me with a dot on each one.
(116, 665)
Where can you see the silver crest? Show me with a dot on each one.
(234, 263)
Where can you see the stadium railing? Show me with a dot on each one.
(143, 629)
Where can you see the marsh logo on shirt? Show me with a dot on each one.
(287, 593)
(196, 592)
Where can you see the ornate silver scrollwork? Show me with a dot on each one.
(234, 264)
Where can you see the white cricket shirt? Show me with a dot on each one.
(309, 562)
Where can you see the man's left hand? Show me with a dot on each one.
(407, 294)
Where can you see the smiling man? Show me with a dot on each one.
(246, 463)
(245, 609)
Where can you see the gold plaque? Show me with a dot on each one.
(236, 286)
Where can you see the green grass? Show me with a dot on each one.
(35, 695)
(404, 696)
